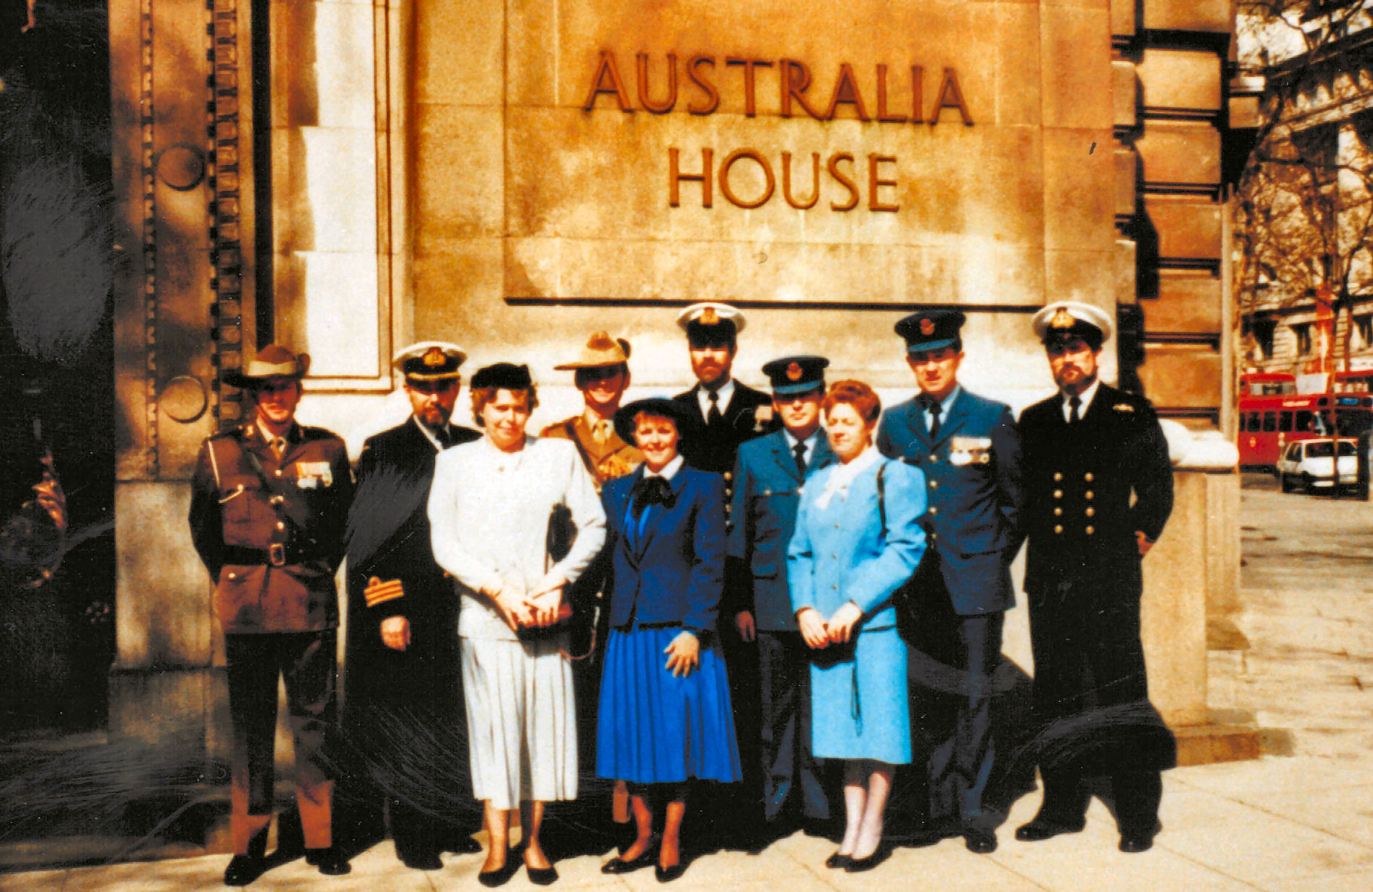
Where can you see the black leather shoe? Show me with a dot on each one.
(243, 869)
(668, 874)
(541, 876)
(1041, 829)
(858, 865)
(1136, 842)
(979, 841)
(838, 861)
(331, 862)
(422, 861)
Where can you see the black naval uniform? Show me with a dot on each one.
(403, 713)
(1084, 583)
(714, 447)
(270, 529)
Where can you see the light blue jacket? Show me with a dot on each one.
(843, 552)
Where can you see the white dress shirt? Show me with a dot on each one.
(1086, 398)
(489, 511)
(725, 392)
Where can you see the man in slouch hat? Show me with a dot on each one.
(269, 502)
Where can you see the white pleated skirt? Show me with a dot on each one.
(521, 720)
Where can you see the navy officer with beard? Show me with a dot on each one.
(403, 712)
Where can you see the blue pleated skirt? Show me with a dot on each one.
(654, 728)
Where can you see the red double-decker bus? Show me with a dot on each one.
(1272, 413)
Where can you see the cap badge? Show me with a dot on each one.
(1062, 319)
(600, 341)
(926, 326)
(709, 317)
(794, 372)
(433, 358)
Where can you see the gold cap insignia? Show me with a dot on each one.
(433, 358)
(927, 326)
(709, 317)
(794, 372)
(1062, 319)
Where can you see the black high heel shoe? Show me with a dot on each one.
(618, 864)
(858, 865)
(501, 875)
(668, 874)
(838, 861)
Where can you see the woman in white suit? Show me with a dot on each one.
(858, 539)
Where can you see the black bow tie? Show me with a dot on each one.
(651, 490)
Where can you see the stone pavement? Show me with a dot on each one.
(1299, 818)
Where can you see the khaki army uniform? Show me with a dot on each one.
(606, 458)
(269, 526)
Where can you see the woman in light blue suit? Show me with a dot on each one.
(858, 539)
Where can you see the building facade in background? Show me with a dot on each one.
(347, 177)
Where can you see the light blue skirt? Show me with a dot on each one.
(654, 728)
(861, 707)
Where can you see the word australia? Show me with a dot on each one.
(701, 82)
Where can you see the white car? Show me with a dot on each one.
(1308, 464)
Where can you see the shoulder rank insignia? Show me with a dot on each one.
(1124, 408)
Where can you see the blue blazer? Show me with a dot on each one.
(767, 495)
(973, 469)
(674, 573)
(842, 553)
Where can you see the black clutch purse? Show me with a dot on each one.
(562, 533)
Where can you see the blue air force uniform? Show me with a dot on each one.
(953, 610)
(769, 480)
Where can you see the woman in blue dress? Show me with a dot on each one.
(858, 539)
(665, 716)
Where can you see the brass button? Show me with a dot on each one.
(1088, 477)
(1091, 512)
(836, 526)
(1090, 529)
(1088, 495)
(1058, 512)
(281, 525)
(1058, 475)
(934, 537)
(934, 459)
(729, 475)
(1058, 493)
(934, 484)
(835, 587)
(277, 472)
(934, 510)
(1058, 528)
(233, 575)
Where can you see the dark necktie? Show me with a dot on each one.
(713, 416)
(934, 408)
(799, 450)
(1074, 404)
(444, 436)
(279, 447)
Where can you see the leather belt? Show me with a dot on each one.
(279, 554)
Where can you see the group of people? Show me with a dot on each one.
(722, 591)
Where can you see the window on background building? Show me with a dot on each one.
(1262, 328)
(1303, 332)
(1363, 328)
